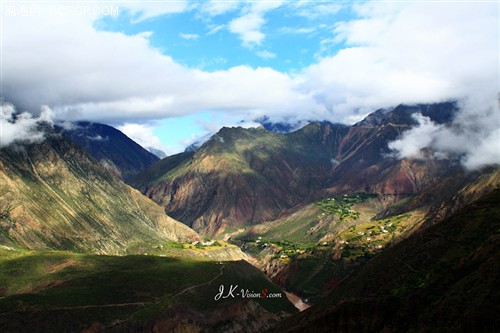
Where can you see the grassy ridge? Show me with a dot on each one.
(208, 250)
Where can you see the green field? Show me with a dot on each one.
(322, 242)
(341, 205)
(308, 225)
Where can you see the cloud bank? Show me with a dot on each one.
(414, 140)
(396, 53)
(392, 53)
(408, 53)
(473, 136)
(22, 127)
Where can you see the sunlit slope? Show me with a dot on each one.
(54, 195)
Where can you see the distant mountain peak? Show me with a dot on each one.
(111, 147)
(198, 143)
(158, 152)
(440, 113)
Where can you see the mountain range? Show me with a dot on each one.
(97, 234)
(243, 176)
(74, 244)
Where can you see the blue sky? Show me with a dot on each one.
(294, 37)
(167, 73)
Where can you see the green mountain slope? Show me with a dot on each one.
(310, 250)
(53, 195)
(443, 278)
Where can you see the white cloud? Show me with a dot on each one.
(248, 28)
(194, 141)
(21, 127)
(313, 11)
(78, 65)
(265, 5)
(473, 136)
(414, 140)
(215, 8)
(266, 54)
(86, 74)
(487, 152)
(397, 53)
(214, 29)
(408, 53)
(189, 36)
(297, 30)
(143, 134)
(210, 62)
